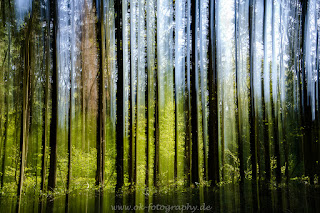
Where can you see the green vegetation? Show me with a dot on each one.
(136, 101)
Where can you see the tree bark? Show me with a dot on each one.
(194, 95)
(157, 108)
(188, 140)
(6, 124)
(213, 159)
(101, 111)
(237, 94)
(251, 105)
(70, 122)
(25, 107)
(45, 109)
(120, 96)
(273, 113)
(264, 111)
(52, 179)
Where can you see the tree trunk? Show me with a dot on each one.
(273, 113)
(156, 107)
(213, 160)
(120, 96)
(45, 109)
(237, 94)
(194, 95)
(147, 103)
(101, 111)
(222, 150)
(70, 122)
(176, 123)
(251, 96)
(52, 179)
(25, 108)
(251, 105)
(5, 142)
(264, 110)
(306, 106)
(188, 139)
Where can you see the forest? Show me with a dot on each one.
(113, 103)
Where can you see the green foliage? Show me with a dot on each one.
(83, 163)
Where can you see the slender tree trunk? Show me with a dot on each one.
(101, 111)
(194, 95)
(130, 162)
(251, 96)
(175, 86)
(120, 96)
(6, 124)
(188, 139)
(130, 98)
(131, 119)
(25, 108)
(157, 107)
(45, 110)
(213, 159)
(70, 122)
(264, 110)
(251, 106)
(237, 112)
(317, 129)
(1, 91)
(306, 104)
(222, 150)
(203, 88)
(273, 110)
(151, 86)
(147, 97)
(52, 179)
(265, 135)
(147, 127)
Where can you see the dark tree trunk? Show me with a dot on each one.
(213, 159)
(120, 95)
(69, 136)
(317, 128)
(45, 109)
(148, 105)
(157, 109)
(306, 105)
(176, 123)
(222, 138)
(131, 111)
(188, 139)
(264, 111)
(194, 102)
(101, 111)
(52, 179)
(265, 135)
(70, 122)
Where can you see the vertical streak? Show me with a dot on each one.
(120, 96)
(194, 95)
